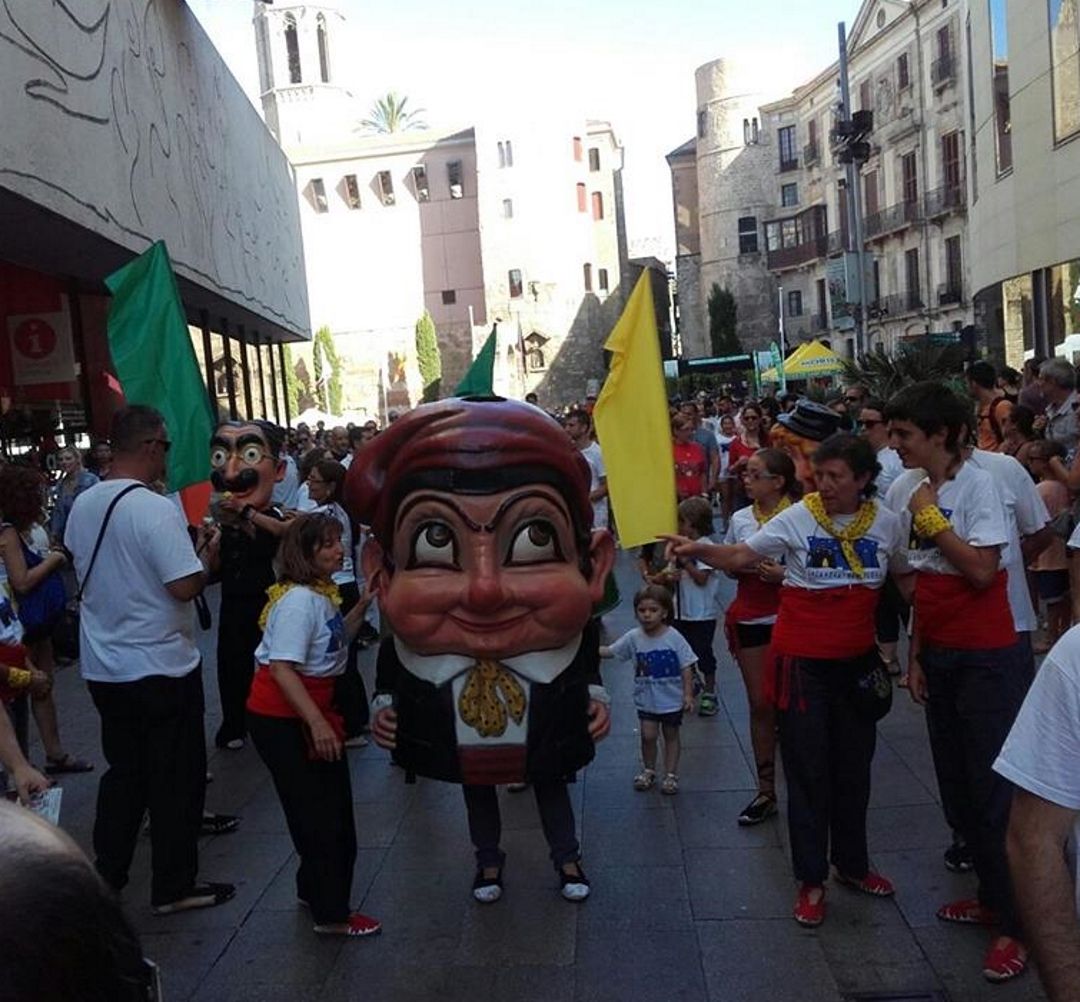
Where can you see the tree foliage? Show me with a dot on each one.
(327, 372)
(428, 358)
(883, 374)
(390, 113)
(723, 316)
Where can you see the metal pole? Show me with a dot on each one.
(783, 347)
(856, 243)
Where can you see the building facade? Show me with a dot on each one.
(119, 132)
(1024, 62)
(787, 215)
(519, 226)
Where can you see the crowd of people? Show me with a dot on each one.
(924, 541)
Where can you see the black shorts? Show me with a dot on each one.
(667, 719)
(753, 634)
(1052, 586)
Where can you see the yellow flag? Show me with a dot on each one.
(633, 426)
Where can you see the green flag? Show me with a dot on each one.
(155, 361)
(479, 380)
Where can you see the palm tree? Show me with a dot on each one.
(390, 114)
(883, 374)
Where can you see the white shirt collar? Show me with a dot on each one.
(536, 666)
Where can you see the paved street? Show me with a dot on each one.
(685, 906)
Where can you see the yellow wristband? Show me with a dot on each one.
(19, 678)
(930, 522)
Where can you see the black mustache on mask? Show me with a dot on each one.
(243, 481)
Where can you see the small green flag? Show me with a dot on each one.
(155, 360)
(479, 381)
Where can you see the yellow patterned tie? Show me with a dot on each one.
(491, 695)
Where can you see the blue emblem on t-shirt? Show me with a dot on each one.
(336, 626)
(657, 664)
(825, 552)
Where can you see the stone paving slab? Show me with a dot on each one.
(686, 905)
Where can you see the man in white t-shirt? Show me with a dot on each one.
(1041, 756)
(142, 667)
(579, 428)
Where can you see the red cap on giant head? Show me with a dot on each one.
(465, 446)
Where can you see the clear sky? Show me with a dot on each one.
(630, 62)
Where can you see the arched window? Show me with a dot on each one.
(324, 49)
(292, 48)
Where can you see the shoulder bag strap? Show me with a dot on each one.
(101, 534)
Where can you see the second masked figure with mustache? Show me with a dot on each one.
(246, 462)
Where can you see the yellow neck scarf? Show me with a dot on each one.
(490, 698)
(785, 502)
(276, 592)
(859, 527)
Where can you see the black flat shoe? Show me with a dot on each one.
(574, 886)
(487, 890)
(761, 808)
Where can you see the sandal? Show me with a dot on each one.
(69, 763)
(1004, 960)
(670, 784)
(873, 883)
(806, 912)
(356, 925)
(969, 911)
(644, 780)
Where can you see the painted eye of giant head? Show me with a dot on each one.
(219, 456)
(433, 545)
(535, 542)
(252, 454)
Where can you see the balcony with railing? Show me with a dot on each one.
(943, 70)
(788, 162)
(897, 305)
(783, 258)
(797, 240)
(892, 219)
(811, 155)
(941, 201)
(951, 294)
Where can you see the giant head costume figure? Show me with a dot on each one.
(245, 463)
(486, 569)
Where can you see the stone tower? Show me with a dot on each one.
(735, 177)
(301, 49)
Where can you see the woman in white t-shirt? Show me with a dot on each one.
(297, 730)
(838, 545)
(325, 483)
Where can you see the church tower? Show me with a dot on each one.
(300, 49)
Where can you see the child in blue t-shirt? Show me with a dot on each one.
(663, 682)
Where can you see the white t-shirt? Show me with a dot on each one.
(303, 499)
(659, 662)
(969, 501)
(891, 468)
(697, 602)
(815, 560)
(723, 443)
(1042, 752)
(742, 525)
(130, 627)
(287, 488)
(347, 574)
(11, 630)
(595, 460)
(1025, 514)
(305, 628)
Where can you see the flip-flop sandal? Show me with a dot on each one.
(69, 763)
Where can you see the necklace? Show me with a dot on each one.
(762, 518)
(276, 592)
(850, 534)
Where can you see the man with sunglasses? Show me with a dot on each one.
(139, 573)
(872, 426)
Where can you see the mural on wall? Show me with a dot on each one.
(132, 125)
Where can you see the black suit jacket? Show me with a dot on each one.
(558, 742)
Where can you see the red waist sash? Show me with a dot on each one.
(267, 699)
(951, 612)
(827, 623)
(754, 599)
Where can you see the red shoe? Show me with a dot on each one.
(357, 925)
(969, 911)
(1005, 959)
(872, 883)
(807, 912)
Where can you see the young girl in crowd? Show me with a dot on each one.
(695, 599)
(325, 483)
(770, 482)
(663, 682)
(1050, 568)
(838, 545)
(295, 725)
